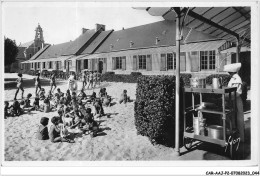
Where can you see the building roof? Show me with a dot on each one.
(21, 54)
(27, 44)
(97, 42)
(79, 42)
(54, 51)
(39, 52)
(145, 36)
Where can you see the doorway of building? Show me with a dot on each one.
(100, 66)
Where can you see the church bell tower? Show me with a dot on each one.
(38, 41)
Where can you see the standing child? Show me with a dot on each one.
(42, 133)
(37, 83)
(19, 85)
(53, 82)
(84, 79)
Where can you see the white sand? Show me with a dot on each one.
(120, 141)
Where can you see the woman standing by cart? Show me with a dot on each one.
(236, 81)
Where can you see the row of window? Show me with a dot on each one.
(50, 64)
(207, 60)
(141, 62)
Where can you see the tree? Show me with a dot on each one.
(11, 51)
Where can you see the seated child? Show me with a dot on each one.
(50, 96)
(60, 93)
(27, 101)
(56, 130)
(68, 97)
(99, 111)
(56, 99)
(42, 133)
(67, 117)
(41, 94)
(74, 95)
(124, 98)
(82, 95)
(6, 109)
(15, 109)
(89, 124)
(46, 106)
(93, 97)
(77, 117)
(36, 103)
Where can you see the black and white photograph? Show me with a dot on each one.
(129, 82)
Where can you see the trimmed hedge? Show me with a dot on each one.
(155, 108)
(112, 77)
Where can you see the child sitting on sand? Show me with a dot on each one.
(89, 124)
(68, 97)
(15, 109)
(50, 96)
(56, 100)
(99, 111)
(60, 93)
(41, 94)
(74, 96)
(36, 103)
(82, 95)
(42, 133)
(124, 98)
(46, 106)
(6, 109)
(77, 117)
(55, 131)
(67, 117)
(27, 103)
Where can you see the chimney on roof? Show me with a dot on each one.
(157, 40)
(84, 30)
(111, 47)
(100, 26)
(131, 44)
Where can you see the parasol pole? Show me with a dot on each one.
(177, 82)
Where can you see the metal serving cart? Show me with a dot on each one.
(222, 112)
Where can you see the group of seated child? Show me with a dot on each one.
(73, 112)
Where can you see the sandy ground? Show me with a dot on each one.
(118, 141)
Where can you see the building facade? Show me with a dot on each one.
(149, 49)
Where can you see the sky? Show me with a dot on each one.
(63, 21)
